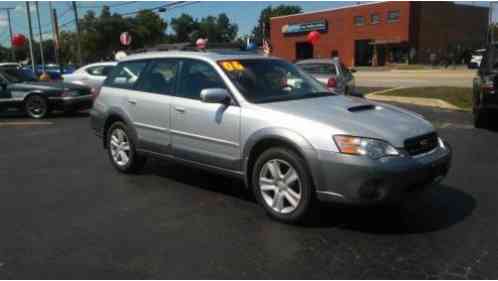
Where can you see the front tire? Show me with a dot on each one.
(36, 106)
(282, 185)
(122, 149)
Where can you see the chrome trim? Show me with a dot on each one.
(85, 97)
(10, 99)
(330, 193)
(195, 136)
(151, 127)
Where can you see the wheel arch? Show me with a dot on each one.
(277, 137)
(118, 115)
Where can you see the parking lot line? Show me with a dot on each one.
(25, 123)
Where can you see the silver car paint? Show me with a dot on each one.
(221, 136)
(344, 81)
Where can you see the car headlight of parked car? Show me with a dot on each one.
(372, 148)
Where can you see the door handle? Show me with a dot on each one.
(180, 109)
(134, 102)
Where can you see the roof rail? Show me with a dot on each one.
(187, 46)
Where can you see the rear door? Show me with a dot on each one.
(150, 105)
(206, 133)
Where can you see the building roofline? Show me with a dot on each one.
(330, 9)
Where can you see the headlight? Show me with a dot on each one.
(372, 148)
(441, 143)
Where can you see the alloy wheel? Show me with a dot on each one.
(120, 147)
(280, 186)
(36, 106)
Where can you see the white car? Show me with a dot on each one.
(92, 75)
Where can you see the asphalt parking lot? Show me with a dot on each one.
(66, 213)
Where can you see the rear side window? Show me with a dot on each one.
(125, 75)
(95, 70)
(197, 76)
(319, 69)
(160, 78)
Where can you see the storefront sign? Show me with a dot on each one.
(319, 25)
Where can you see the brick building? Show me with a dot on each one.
(382, 32)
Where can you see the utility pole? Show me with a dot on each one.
(55, 35)
(28, 12)
(13, 53)
(78, 37)
(41, 37)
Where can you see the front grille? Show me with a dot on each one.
(421, 144)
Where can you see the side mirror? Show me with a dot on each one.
(215, 95)
(352, 70)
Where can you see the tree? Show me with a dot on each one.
(184, 26)
(264, 20)
(217, 29)
(147, 29)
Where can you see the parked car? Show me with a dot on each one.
(92, 75)
(53, 71)
(476, 58)
(485, 95)
(36, 98)
(332, 73)
(291, 144)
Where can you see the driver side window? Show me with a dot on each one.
(197, 76)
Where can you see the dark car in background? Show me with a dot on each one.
(21, 90)
(331, 72)
(53, 70)
(485, 94)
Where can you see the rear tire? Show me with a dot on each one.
(282, 185)
(122, 149)
(36, 106)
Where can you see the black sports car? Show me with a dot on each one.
(37, 98)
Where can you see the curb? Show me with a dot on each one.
(426, 102)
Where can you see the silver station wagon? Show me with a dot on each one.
(262, 119)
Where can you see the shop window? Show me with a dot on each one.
(374, 18)
(392, 16)
(359, 20)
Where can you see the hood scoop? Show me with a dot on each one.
(364, 107)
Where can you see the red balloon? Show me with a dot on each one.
(313, 37)
(18, 40)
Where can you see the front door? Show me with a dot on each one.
(206, 133)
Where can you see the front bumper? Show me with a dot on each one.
(361, 180)
(72, 103)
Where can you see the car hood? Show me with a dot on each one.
(49, 86)
(357, 116)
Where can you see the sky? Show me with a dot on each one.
(244, 13)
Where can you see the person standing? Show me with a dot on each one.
(412, 55)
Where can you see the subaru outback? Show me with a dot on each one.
(291, 140)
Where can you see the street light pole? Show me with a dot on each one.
(78, 33)
(13, 53)
(41, 37)
(28, 12)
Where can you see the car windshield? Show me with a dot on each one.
(270, 80)
(15, 75)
